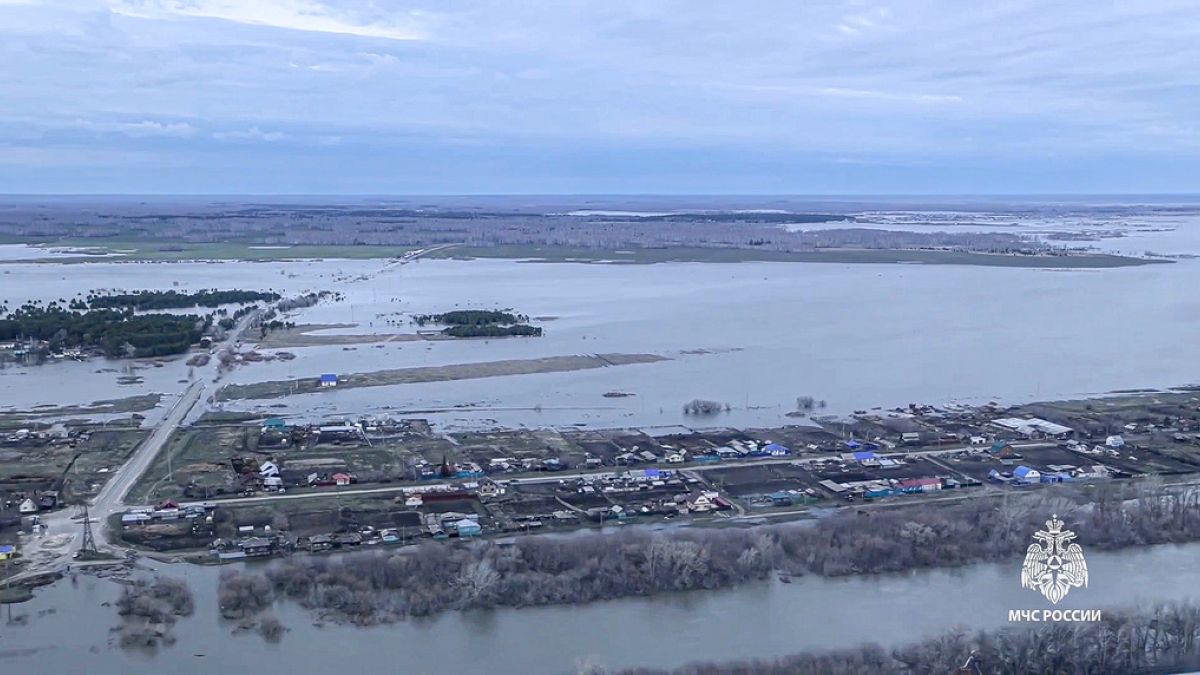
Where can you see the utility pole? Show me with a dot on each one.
(89, 541)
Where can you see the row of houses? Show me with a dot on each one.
(1055, 473)
(880, 488)
(166, 511)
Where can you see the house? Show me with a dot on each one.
(320, 542)
(268, 469)
(866, 458)
(776, 450)
(1032, 427)
(47, 500)
(274, 424)
(675, 458)
(256, 546)
(705, 501)
(780, 498)
(329, 380)
(834, 487)
(273, 484)
(911, 485)
(1094, 471)
(468, 528)
(910, 438)
(1114, 442)
(347, 539)
(135, 518)
(28, 506)
(490, 488)
(1026, 475)
(342, 479)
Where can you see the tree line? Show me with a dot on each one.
(117, 333)
(1160, 639)
(472, 317)
(146, 300)
(376, 586)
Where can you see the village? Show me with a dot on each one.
(228, 489)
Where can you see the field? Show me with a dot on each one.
(77, 466)
(93, 250)
(459, 371)
(646, 256)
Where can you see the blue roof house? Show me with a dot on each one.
(776, 450)
(1026, 475)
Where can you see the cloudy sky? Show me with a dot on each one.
(599, 96)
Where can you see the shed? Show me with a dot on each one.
(866, 458)
(329, 380)
(274, 424)
(7, 551)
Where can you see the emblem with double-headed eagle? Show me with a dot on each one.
(1055, 564)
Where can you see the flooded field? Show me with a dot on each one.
(752, 335)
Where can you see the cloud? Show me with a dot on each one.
(300, 15)
(930, 82)
(889, 96)
(251, 134)
(141, 129)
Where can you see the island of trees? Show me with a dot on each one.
(145, 300)
(116, 333)
(465, 323)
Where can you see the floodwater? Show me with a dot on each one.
(752, 335)
(757, 620)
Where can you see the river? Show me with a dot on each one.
(67, 629)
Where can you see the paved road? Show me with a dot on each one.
(56, 548)
(63, 537)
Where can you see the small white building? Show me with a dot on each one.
(28, 506)
(1115, 442)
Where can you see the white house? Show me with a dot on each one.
(1115, 442)
(28, 506)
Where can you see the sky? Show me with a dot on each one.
(599, 96)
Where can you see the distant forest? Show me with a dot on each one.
(317, 224)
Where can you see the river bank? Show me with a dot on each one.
(375, 587)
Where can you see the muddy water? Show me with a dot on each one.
(756, 620)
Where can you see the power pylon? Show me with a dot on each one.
(89, 540)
